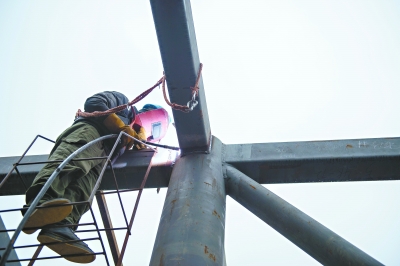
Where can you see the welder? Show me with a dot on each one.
(76, 181)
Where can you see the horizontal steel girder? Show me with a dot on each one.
(129, 170)
(266, 163)
(317, 161)
(315, 239)
(178, 47)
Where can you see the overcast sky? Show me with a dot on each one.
(274, 71)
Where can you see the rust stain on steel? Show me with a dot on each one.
(215, 213)
(205, 249)
(162, 260)
(349, 146)
(253, 187)
(173, 206)
(210, 255)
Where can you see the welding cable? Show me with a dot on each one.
(162, 146)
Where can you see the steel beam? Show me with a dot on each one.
(312, 237)
(178, 47)
(266, 163)
(317, 161)
(105, 216)
(4, 240)
(129, 169)
(192, 225)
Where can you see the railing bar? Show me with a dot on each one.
(121, 191)
(20, 158)
(100, 178)
(98, 232)
(78, 231)
(43, 191)
(37, 252)
(60, 161)
(134, 212)
(101, 230)
(50, 206)
(105, 216)
(119, 198)
(54, 243)
(20, 176)
(59, 257)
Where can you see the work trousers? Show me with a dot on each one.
(78, 178)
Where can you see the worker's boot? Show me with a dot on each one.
(44, 216)
(55, 238)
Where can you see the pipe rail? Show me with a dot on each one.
(35, 202)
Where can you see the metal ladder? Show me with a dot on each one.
(117, 255)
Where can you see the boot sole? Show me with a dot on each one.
(42, 217)
(67, 249)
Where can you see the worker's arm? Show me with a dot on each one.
(115, 125)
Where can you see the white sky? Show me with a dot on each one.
(273, 71)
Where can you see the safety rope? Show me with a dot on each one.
(189, 107)
(195, 91)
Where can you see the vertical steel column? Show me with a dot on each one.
(312, 237)
(192, 225)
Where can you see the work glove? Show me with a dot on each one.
(115, 125)
(141, 134)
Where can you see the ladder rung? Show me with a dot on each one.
(120, 191)
(59, 257)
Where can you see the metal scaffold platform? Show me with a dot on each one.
(8, 253)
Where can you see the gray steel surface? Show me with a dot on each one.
(178, 47)
(317, 161)
(4, 240)
(192, 225)
(312, 237)
(311, 161)
(129, 169)
(285, 162)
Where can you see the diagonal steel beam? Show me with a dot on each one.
(315, 239)
(178, 47)
(317, 161)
